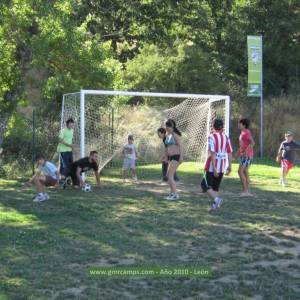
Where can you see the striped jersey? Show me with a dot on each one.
(219, 143)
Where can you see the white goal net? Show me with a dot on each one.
(103, 120)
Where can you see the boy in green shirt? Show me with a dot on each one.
(65, 147)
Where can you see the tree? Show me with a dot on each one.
(181, 68)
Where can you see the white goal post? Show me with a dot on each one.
(92, 110)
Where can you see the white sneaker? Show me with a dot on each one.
(219, 202)
(134, 178)
(47, 197)
(173, 197)
(283, 183)
(39, 198)
(213, 208)
(170, 195)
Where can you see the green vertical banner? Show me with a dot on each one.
(254, 66)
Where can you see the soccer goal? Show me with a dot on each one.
(103, 120)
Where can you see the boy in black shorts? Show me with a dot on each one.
(218, 162)
(83, 165)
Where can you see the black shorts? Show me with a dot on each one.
(209, 181)
(75, 179)
(174, 157)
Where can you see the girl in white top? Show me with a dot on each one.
(130, 156)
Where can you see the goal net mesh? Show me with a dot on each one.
(108, 123)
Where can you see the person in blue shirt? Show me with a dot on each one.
(47, 175)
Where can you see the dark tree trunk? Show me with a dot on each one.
(3, 124)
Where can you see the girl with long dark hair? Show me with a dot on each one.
(174, 152)
(161, 132)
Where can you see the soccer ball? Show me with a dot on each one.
(86, 188)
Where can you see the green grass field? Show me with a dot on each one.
(252, 245)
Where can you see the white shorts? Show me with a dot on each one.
(128, 163)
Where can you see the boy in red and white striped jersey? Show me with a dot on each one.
(217, 164)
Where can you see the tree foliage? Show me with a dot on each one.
(48, 48)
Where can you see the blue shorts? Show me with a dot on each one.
(245, 161)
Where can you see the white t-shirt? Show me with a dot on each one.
(129, 151)
(49, 169)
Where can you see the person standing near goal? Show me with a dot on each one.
(174, 152)
(218, 163)
(245, 155)
(286, 156)
(161, 132)
(65, 147)
(130, 156)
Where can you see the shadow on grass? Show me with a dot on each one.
(46, 248)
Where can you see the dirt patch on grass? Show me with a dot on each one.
(284, 247)
(228, 279)
(280, 253)
(183, 258)
(278, 263)
(76, 291)
(112, 261)
(224, 249)
(292, 232)
(157, 187)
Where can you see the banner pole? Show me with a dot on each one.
(261, 126)
(261, 106)
(33, 142)
(82, 128)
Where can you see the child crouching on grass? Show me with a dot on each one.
(130, 156)
(47, 175)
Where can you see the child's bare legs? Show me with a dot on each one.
(248, 178)
(216, 200)
(284, 172)
(244, 177)
(170, 173)
(40, 187)
(124, 173)
(133, 173)
(212, 194)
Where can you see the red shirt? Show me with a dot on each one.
(245, 140)
(219, 143)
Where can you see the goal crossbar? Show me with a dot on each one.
(150, 94)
